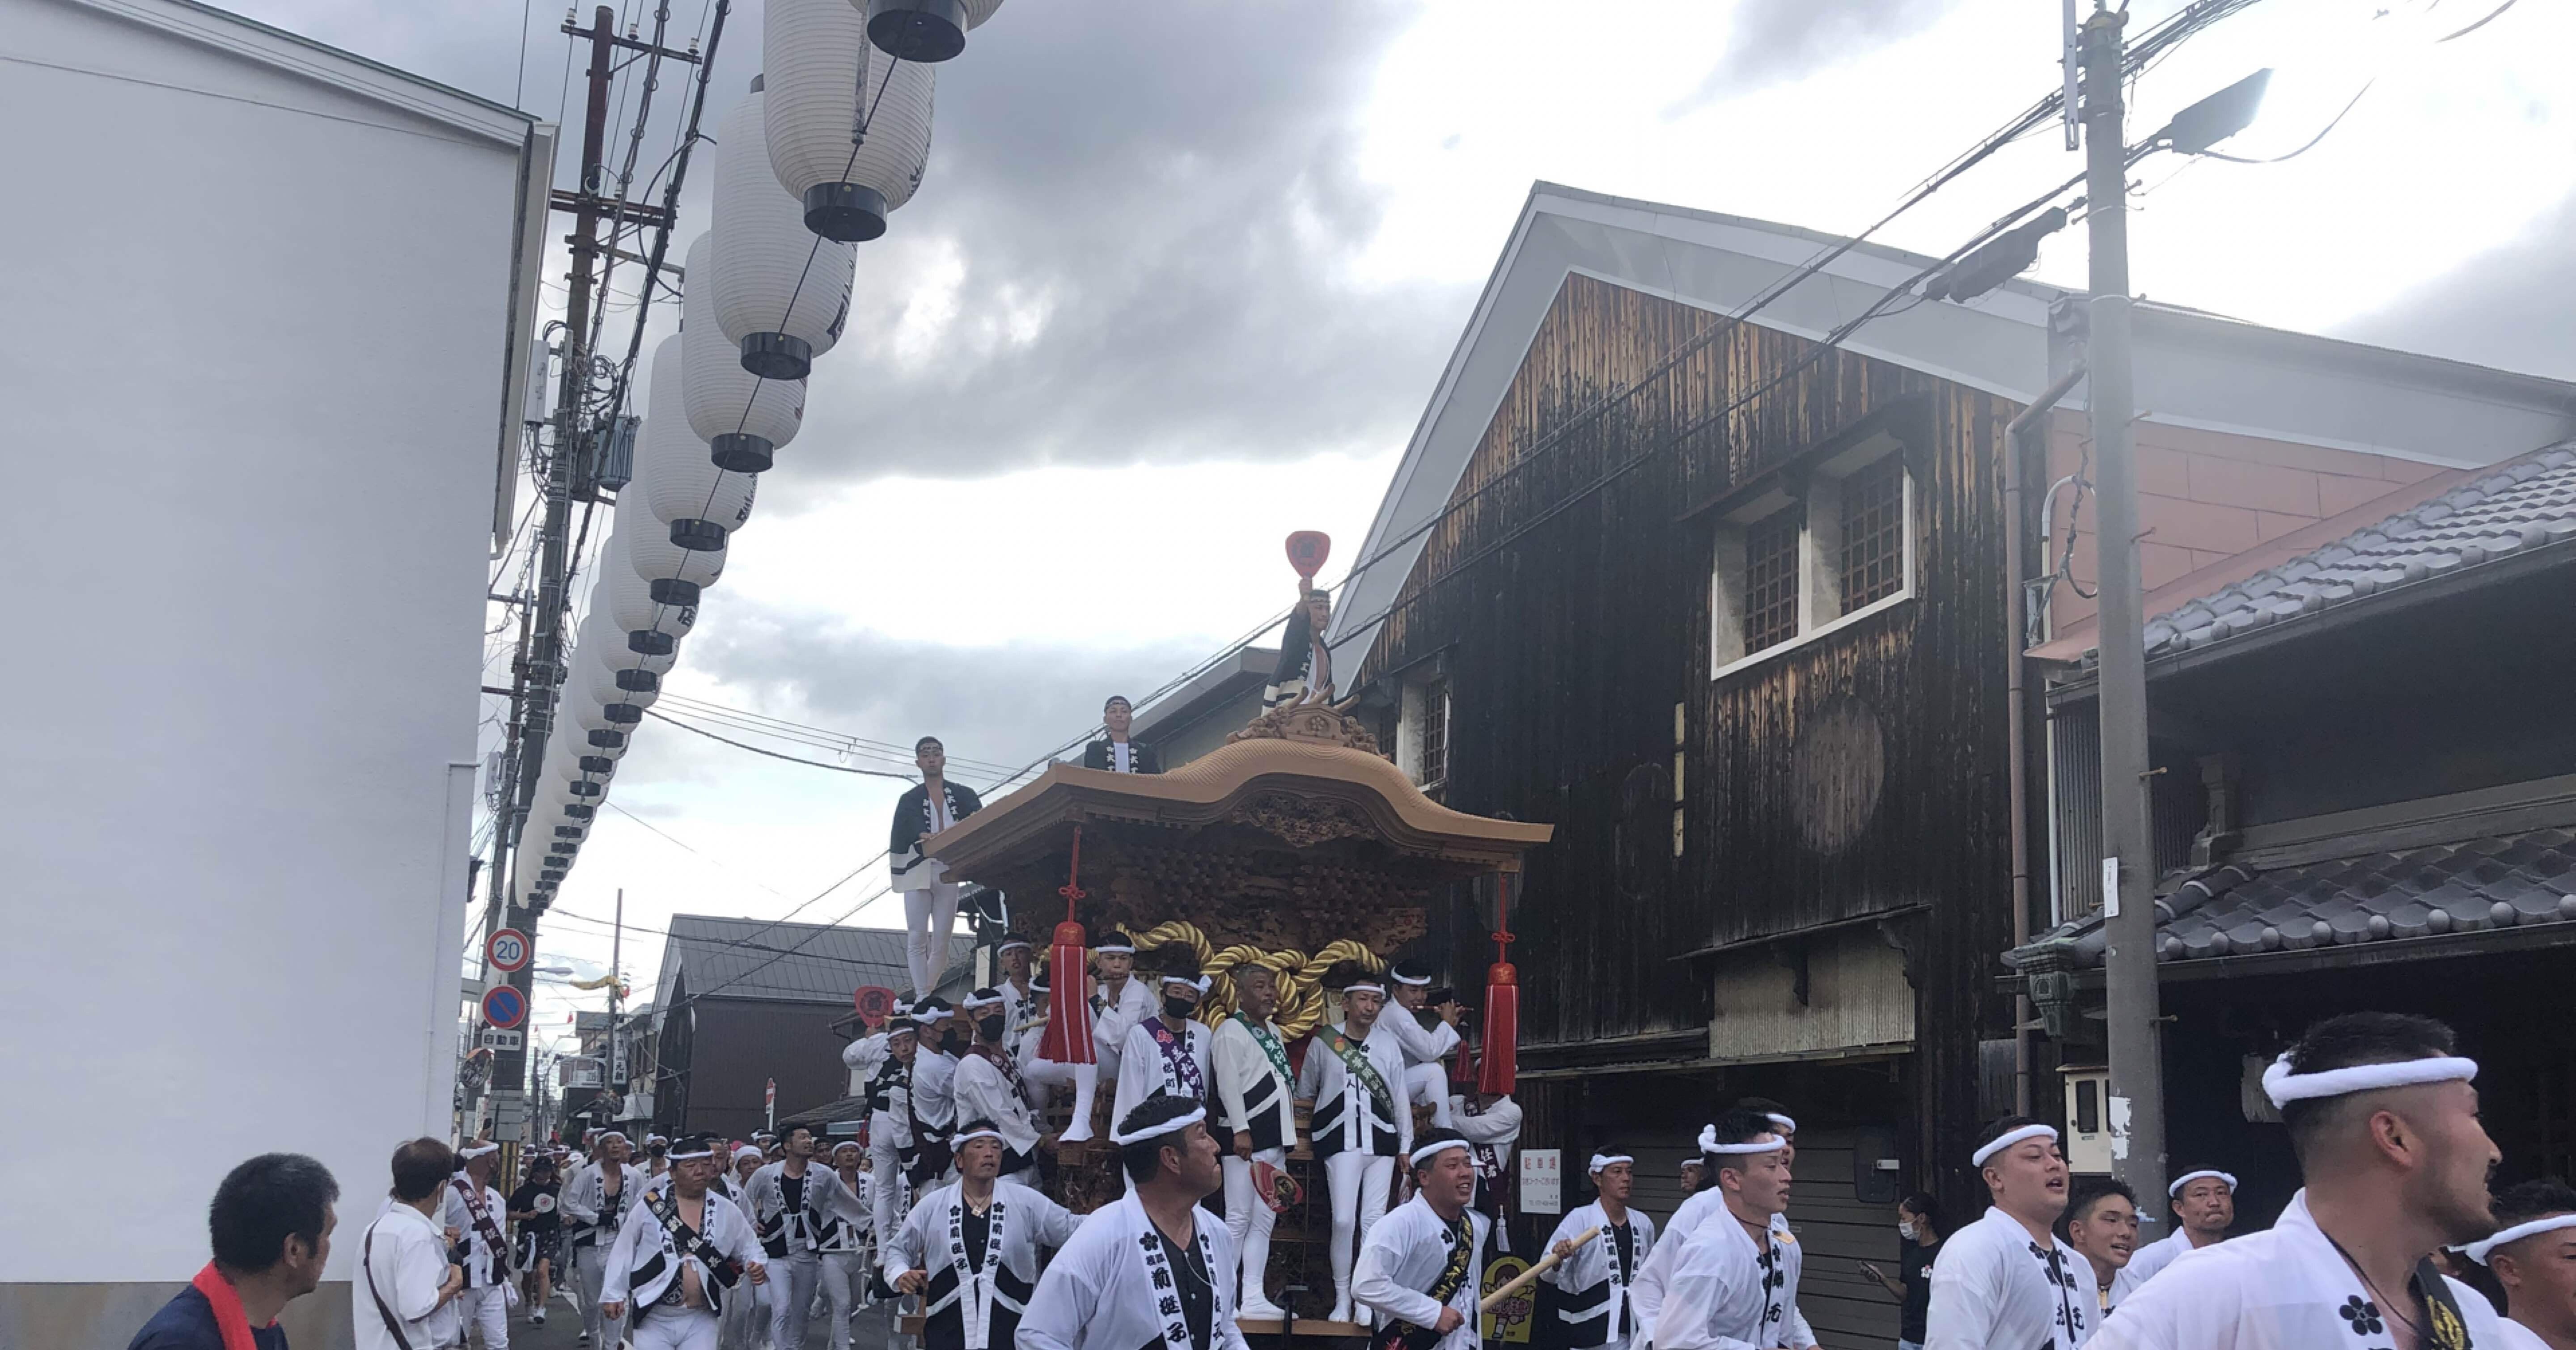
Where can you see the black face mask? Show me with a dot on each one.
(1178, 1008)
(990, 1028)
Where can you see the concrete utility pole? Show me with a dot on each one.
(2128, 838)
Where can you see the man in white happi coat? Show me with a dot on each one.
(476, 1211)
(1021, 999)
(1491, 1125)
(404, 1291)
(1733, 1279)
(2533, 1255)
(1167, 1054)
(1591, 1281)
(934, 1093)
(841, 1247)
(1360, 1123)
(594, 1204)
(969, 1250)
(2101, 1224)
(1704, 1201)
(1429, 1034)
(682, 1252)
(1148, 1271)
(2005, 1280)
(1800, 1335)
(1257, 1119)
(929, 897)
(890, 1141)
(1421, 1267)
(791, 1201)
(744, 1323)
(989, 1088)
(2384, 1121)
(2204, 1208)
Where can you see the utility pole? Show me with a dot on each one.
(2128, 839)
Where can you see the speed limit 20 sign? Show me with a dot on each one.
(507, 949)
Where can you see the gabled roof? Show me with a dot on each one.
(2194, 369)
(788, 962)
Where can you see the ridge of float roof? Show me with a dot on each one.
(294, 53)
(2194, 368)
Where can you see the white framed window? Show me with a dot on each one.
(1422, 733)
(1808, 555)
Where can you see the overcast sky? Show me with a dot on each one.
(1180, 278)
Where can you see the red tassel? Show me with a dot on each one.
(1501, 1066)
(1068, 1032)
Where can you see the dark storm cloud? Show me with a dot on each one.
(1776, 41)
(2506, 307)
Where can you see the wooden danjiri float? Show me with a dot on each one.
(1295, 845)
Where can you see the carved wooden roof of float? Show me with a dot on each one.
(1303, 778)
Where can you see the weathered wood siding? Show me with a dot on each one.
(1858, 774)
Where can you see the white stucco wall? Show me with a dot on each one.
(252, 335)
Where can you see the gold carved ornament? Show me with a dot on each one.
(1301, 989)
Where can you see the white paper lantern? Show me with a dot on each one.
(848, 182)
(622, 684)
(632, 608)
(743, 418)
(780, 292)
(701, 504)
(673, 575)
(604, 642)
(924, 30)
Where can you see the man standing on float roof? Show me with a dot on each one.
(2005, 1280)
(2204, 1208)
(1305, 670)
(1113, 751)
(2385, 1125)
(929, 897)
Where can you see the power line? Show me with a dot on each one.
(792, 759)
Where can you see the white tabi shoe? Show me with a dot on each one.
(1262, 1310)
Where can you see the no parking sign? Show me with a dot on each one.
(504, 1007)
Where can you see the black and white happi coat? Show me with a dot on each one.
(1728, 1290)
(1300, 649)
(988, 1087)
(844, 1230)
(1994, 1285)
(914, 821)
(1112, 1287)
(2286, 1288)
(1402, 1258)
(595, 1217)
(1253, 1089)
(1103, 754)
(977, 1295)
(644, 1264)
(1348, 1116)
(1146, 1068)
(1592, 1303)
(796, 1230)
(487, 1246)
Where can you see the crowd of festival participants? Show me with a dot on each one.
(2394, 1243)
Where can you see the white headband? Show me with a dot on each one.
(1145, 1132)
(1200, 984)
(1787, 1126)
(1767, 1143)
(1601, 1160)
(2479, 1251)
(848, 1143)
(2285, 1087)
(473, 1151)
(745, 1151)
(929, 1015)
(1402, 978)
(1114, 948)
(606, 1135)
(1429, 1149)
(2009, 1138)
(708, 1151)
(962, 1140)
(2189, 1177)
(652, 1139)
(1377, 989)
(1015, 942)
(972, 1002)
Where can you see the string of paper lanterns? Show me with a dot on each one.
(828, 144)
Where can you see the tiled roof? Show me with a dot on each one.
(2524, 503)
(795, 962)
(2500, 881)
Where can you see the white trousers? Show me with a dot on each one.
(928, 915)
(1359, 1183)
(1044, 1075)
(791, 1287)
(590, 1264)
(487, 1313)
(890, 1197)
(678, 1329)
(745, 1322)
(1250, 1220)
(845, 1276)
(1428, 1085)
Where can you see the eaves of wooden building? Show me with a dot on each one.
(1728, 608)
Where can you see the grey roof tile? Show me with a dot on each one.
(2527, 503)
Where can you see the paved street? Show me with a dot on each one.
(562, 1331)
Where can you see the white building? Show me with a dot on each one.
(266, 304)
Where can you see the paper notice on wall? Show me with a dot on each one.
(2110, 888)
(2119, 1121)
(1542, 1181)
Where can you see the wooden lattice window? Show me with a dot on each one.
(1771, 581)
(1873, 551)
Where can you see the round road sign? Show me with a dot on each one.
(508, 950)
(504, 1007)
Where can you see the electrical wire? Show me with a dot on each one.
(659, 715)
(2321, 134)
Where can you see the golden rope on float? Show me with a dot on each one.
(1300, 976)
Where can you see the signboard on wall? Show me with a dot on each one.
(1542, 1181)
